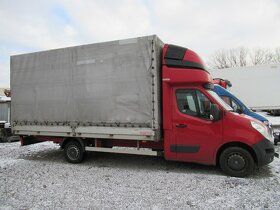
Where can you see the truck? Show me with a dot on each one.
(5, 129)
(133, 96)
(237, 104)
(239, 107)
(6, 134)
(254, 84)
(221, 87)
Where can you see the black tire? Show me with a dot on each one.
(236, 161)
(277, 139)
(74, 152)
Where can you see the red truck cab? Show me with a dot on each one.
(199, 127)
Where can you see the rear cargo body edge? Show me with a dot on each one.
(103, 90)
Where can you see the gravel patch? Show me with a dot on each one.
(38, 177)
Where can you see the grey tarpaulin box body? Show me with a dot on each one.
(102, 90)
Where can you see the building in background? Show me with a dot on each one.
(5, 105)
(5, 114)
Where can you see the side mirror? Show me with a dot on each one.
(215, 113)
(239, 111)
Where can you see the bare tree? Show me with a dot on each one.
(243, 57)
(220, 60)
(276, 57)
(233, 58)
(243, 53)
(229, 58)
(257, 56)
(269, 57)
(261, 56)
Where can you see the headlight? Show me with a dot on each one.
(266, 122)
(262, 130)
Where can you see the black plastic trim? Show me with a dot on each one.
(264, 150)
(184, 148)
(174, 57)
(183, 64)
(175, 52)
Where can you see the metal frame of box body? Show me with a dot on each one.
(144, 134)
(131, 151)
(129, 131)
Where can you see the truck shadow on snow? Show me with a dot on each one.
(46, 155)
(134, 163)
(120, 161)
(160, 164)
(137, 162)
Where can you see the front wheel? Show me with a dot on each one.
(73, 152)
(236, 161)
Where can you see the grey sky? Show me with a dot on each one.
(203, 26)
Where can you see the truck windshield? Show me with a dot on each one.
(221, 102)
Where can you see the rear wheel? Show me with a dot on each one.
(73, 152)
(236, 161)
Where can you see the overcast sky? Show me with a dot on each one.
(201, 25)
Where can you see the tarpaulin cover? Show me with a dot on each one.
(103, 83)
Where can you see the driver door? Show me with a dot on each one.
(196, 136)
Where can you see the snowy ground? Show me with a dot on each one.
(274, 120)
(38, 177)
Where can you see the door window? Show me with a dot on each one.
(204, 105)
(235, 106)
(186, 102)
(194, 103)
(226, 99)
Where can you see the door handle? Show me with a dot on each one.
(181, 125)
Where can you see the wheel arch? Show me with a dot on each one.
(66, 140)
(236, 144)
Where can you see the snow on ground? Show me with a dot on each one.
(38, 177)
